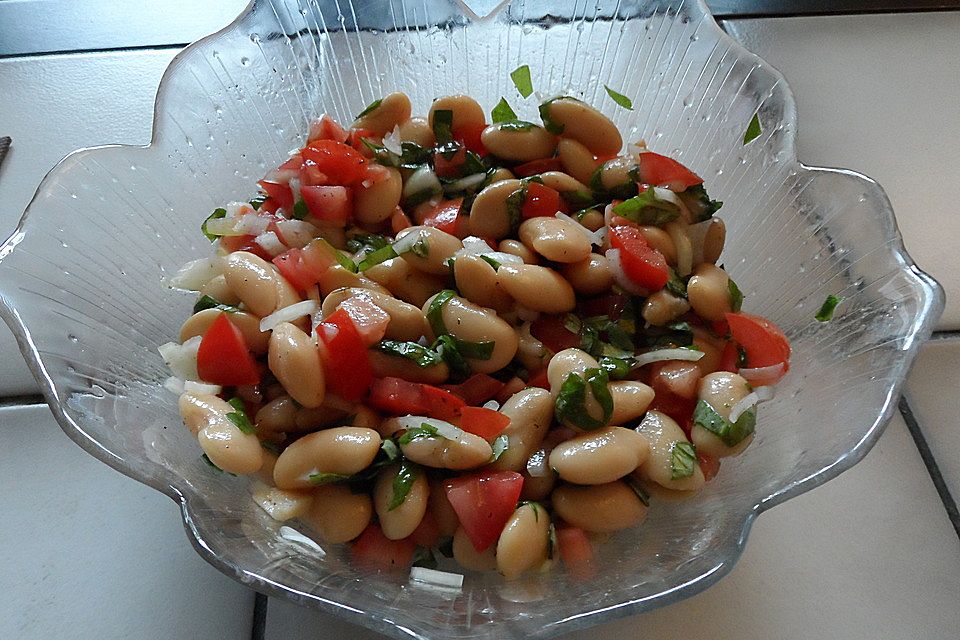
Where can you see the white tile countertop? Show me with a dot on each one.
(872, 554)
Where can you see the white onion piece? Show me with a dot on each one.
(392, 141)
(237, 209)
(296, 233)
(225, 226)
(474, 246)
(620, 276)
(288, 314)
(760, 376)
(174, 385)
(201, 387)
(764, 393)
(681, 241)
(295, 187)
(291, 534)
(444, 428)
(594, 237)
(492, 404)
(436, 578)
(407, 240)
(250, 224)
(746, 403)
(270, 243)
(527, 315)
(660, 355)
(465, 183)
(423, 179)
(196, 273)
(537, 466)
(182, 358)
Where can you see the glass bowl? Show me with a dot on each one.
(82, 276)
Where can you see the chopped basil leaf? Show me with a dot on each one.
(753, 130)
(731, 433)
(578, 199)
(571, 401)
(515, 206)
(521, 80)
(616, 368)
(258, 201)
(421, 247)
(239, 417)
(677, 286)
(647, 208)
(421, 355)
(435, 311)
(207, 302)
(548, 123)
(370, 108)
(736, 296)
(402, 482)
(366, 241)
(216, 215)
(502, 112)
(677, 334)
(374, 258)
(443, 125)
(389, 449)
(699, 203)
(619, 98)
(683, 460)
(448, 348)
(637, 489)
(300, 210)
(448, 149)
(829, 306)
(326, 478)
(499, 446)
(413, 155)
(346, 262)
(515, 125)
(493, 263)
(475, 350)
(423, 431)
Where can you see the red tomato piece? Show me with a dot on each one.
(469, 137)
(486, 423)
(374, 550)
(399, 221)
(427, 533)
(440, 403)
(445, 216)
(513, 385)
(290, 265)
(709, 465)
(539, 379)
(223, 357)
(541, 201)
(484, 502)
(317, 257)
(327, 129)
(535, 167)
(311, 176)
(551, 331)
(341, 163)
(244, 243)
(643, 264)
(662, 171)
(610, 305)
(476, 389)
(680, 409)
(346, 363)
(370, 320)
(279, 192)
(355, 138)
(400, 397)
(333, 205)
(763, 341)
(729, 357)
(449, 165)
(576, 552)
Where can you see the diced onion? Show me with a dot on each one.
(620, 276)
(270, 243)
(661, 355)
(173, 385)
(491, 404)
(437, 578)
(250, 224)
(237, 209)
(595, 237)
(225, 226)
(196, 273)
(746, 403)
(296, 233)
(406, 242)
(444, 428)
(291, 534)
(527, 315)
(762, 376)
(423, 179)
(181, 358)
(474, 246)
(392, 142)
(288, 314)
(681, 241)
(465, 183)
(537, 465)
(201, 387)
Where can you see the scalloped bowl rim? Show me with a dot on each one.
(918, 332)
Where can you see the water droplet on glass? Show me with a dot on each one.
(245, 61)
(688, 102)
(255, 38)
(73, 338)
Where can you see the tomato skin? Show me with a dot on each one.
(427, 533)
(223, 357)
(331, 204)
(440, 403)
(709, 465)
(327, 129)
(680, 409)
(484, 502)
(469, 137)
(576, 552)
(338, 161)
(280, 193)
(244, 243)
(486, 423)
(540, 379)
(446, 216)
(662, 171)
(449, 167)
(762, 340)
(541, 201)
(399, 221)
(535, 167)
(374, 550)
(397, 396)
(514, 385)
(553, 333)
(290, 266)
(729, 357)
(346, 363)
(476, 389)
(643, 264)
(355, 138)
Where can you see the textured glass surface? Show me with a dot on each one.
(81, 277)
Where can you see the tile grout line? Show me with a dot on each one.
(949, 504)
(259, 626)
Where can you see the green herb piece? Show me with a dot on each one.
(499, 446)
(619, 98)
(447, 347)
(423, 431)
(389, 449)
(300, 210)
(731, 433)
(639, 490)
(699, 203)
(753, 130)
(647, 208)
(346, 262)
(475, 350)
(239, 417)
(374, 258)
(371, 241)
(676, 334)
(435, 311)
(676, 285)
(413, 155)
(207, 302)
(421, 247)
(578, 199)
(370, 108)
(257, 202)
(516, 125)
(443, 125)
(521, 80)
(402, 482)
(326, 478)
(548, 122)
(490, 261)
(616, 368)
(212, 465)
(502, 112)
(515, 206)
(736, 296)
(829, 306)
(216, 215)
(683, 460)
(571, 401)
(421, 355)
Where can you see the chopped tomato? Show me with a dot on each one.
(763, 341)
(317, 257)
(680, 409)
(399, 397)
(346, 363)
(290, 266)
(370, 320)
(244, 243)
(331, 204)
(445, 216)
(279, 192)
(643, 264)
(553, 333)
(269, 206)
(729, 357)
(576, 552)
(486, 423)
(427, 533)
(469, 136)
(662, 171)
(355, 138)
(375, 173)
(327, 129)
(680, 378)
(514, 385)
(539, 379)
(720, 328)
(535, 167)
(340, 162)
(541, 201)
(374, 550)
(484, 502)
(223, 357)
(476, 389)
(709, 465)
(399, 221)
(449, 164)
